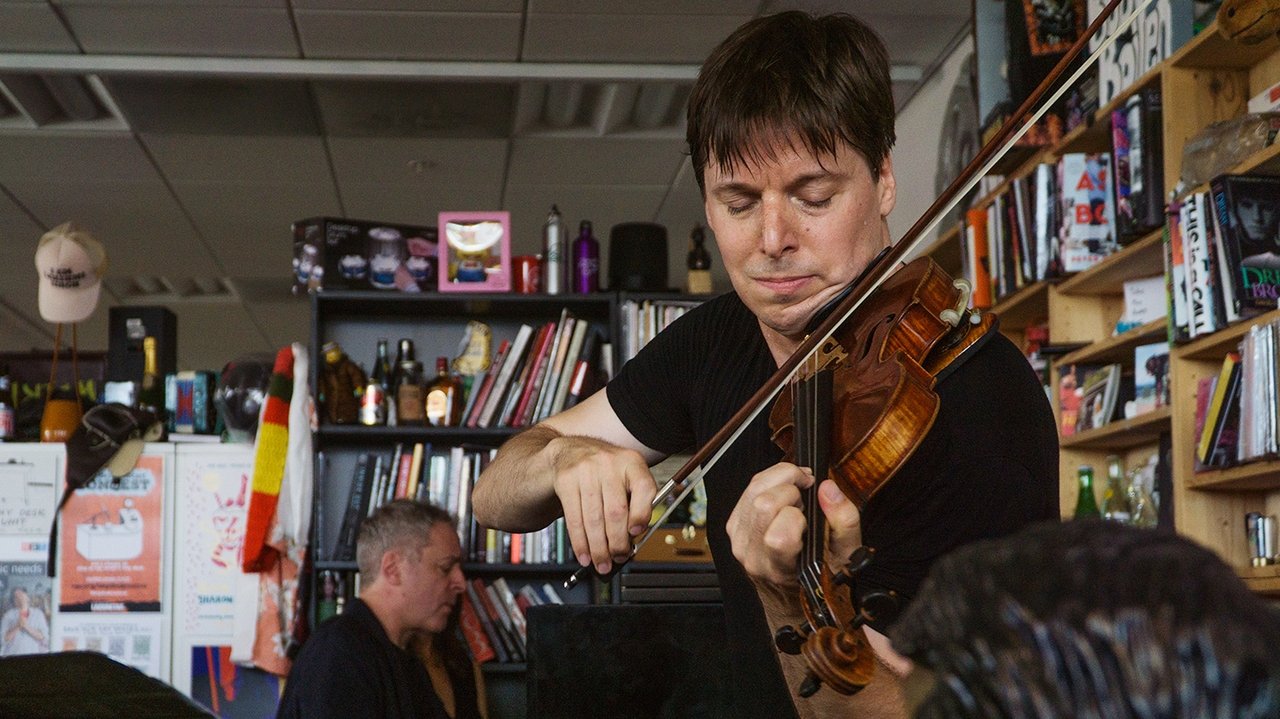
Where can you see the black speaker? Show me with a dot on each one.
(638, 256)
(127, 326)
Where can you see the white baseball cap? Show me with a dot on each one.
(71, 265)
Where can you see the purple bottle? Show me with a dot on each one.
(586, 260)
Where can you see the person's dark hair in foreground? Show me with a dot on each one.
(1091, 619)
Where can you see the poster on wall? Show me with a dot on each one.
(1165, 25)
(206, 674)
(26, 608)
(110, 534)
(211, 501)
(132, 639)
(27, 487)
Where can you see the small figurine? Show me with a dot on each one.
(341, 382)
(1249, 21)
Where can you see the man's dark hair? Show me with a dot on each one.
(1091, 619)
(820, 80)
(403, 524)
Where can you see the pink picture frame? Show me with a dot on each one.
(474, 251)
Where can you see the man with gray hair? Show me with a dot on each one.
(359, 664)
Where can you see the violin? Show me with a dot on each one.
(862, 400)
(857, 409)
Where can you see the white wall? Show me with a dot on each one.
(920, 128)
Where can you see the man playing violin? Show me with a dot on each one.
(790, 128)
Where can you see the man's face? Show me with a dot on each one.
(21, 600)
(1257, 218)
(795, 230)
(433, 581)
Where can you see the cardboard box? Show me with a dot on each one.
(344, 254)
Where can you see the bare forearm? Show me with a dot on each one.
(516, 491)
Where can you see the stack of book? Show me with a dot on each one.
(493, 618)
(1222, 252)
(539, 373)
(444, 478)
(642, 320)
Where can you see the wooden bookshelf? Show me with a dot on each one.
(1143, 258)
(1122, 434)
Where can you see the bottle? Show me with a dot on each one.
(404, 353)
(444, 397)
(1115, 498)
(327, 607)
(373, 403)
(151, 392)
(553, 254)
(586, 260)
(698, 263)
(6, 405)
(1086, 503)
(410, 402)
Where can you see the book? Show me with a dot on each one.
(571, 359)
(1247, 208)
(1088, 210)
(477, 399)
(357, 508)
(1144, 120)
(1070, 386)
(1216, 413)
(501, 383)
(1098, 397)
(508, 599)
(486, 623)
(473, 631)
(1204, 393)
(524, 413)
(1047, 221)
(561, 347)
(976, 250)
(1150, 376)
(1202, 316)
(495, 604)
(1176, 276)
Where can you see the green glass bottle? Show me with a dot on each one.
(1086, 502)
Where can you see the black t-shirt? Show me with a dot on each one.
(988, 466)
(350, 668)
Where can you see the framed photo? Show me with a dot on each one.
(475, 251)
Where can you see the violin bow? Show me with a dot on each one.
(694, 471)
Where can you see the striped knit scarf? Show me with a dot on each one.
(268, 465)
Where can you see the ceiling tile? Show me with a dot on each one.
(207, 4)
(416, 109)
(742, 8)
(471, 6)
(18, 234)
(74, 156)
(182, 30)
(411, 180)
(415, 204)
(142, 227)
(610, 161)
(418, 161)
(409, 35)
(215, 106)
(239, 159)
(625, 38)
(248, 224)
(33, 27)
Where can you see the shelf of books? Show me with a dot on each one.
(1169, 311)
